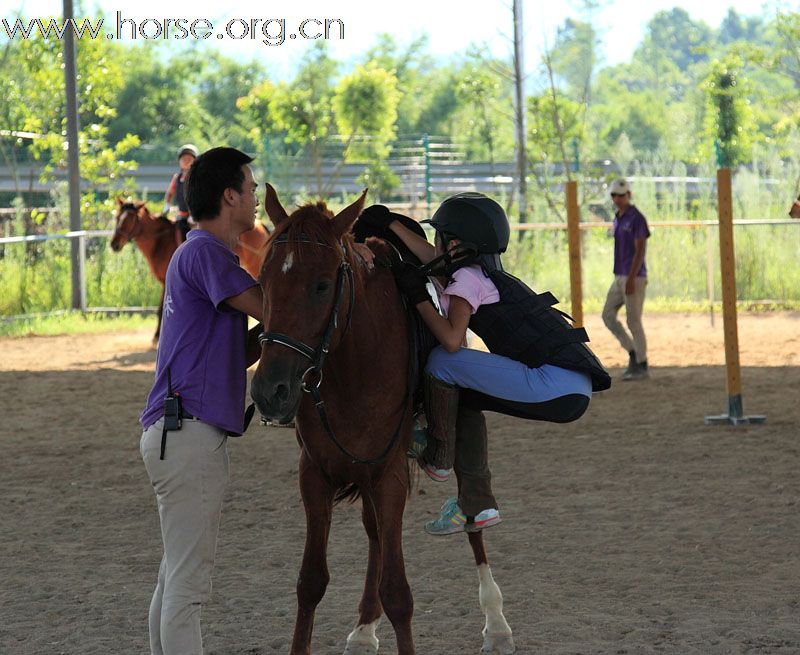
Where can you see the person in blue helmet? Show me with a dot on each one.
(538, 366)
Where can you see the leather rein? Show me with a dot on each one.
(311, 379)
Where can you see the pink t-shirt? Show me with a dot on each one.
(471, 284)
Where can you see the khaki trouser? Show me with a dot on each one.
(189, 484)
(634, 304)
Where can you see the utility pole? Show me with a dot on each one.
(74, 178)
(520, 112)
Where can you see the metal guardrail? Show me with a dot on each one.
(515, 227)
(78, 234)
(419, 175)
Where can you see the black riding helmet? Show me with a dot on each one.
(474, 219)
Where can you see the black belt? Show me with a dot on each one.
(248, 416)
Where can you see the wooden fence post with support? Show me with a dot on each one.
(735, 415)
(574, 239)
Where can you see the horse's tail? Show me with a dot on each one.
(350, 493)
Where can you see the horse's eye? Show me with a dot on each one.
(323, 287)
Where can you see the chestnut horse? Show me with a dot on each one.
(157, 238)
(335, 357)
(794, 210)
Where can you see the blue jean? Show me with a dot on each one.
(501, 378)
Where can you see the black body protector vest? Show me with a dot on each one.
(183, 206)
(524, 326)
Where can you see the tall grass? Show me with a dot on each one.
(39, 279)
(677, 264)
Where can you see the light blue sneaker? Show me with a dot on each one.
(452, 519)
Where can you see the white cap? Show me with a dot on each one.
(620, 186)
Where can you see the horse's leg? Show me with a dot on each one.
(395, 594)
(362, 640)
(160, 313)
(497, 638)
(474, 495)
(313, 579)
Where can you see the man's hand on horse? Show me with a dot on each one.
(411, 281)
(377, 216)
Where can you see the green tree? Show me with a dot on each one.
(674, 34)
(574, 57)
(303, 108)
(735, 27)
(33, 100)
(729, 120)
(365, 105)
(158, 102)
(484, 115)
(412, 67)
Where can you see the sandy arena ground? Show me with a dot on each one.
(637, 529)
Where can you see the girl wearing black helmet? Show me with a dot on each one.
(538, 366)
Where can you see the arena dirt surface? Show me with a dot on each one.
(637, 529)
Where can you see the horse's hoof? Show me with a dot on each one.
(498, 645)
(360, 649)
(362, 640)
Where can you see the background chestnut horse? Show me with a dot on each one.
(794, 210)
(157, 238)
(326, 315)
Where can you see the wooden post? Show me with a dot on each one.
(574, 238)
(727, 257)
(727, 260)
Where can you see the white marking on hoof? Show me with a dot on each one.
(498, 646)
(362, 640)
(497, 637)
(287, 264)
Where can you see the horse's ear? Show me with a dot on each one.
(120, 201)
(344, 220)
(275, 210)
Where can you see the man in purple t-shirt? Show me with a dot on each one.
(202, 357)
(630, 279)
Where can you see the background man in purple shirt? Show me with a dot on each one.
(630, 279)
(203, 354)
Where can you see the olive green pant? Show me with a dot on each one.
(472, 463)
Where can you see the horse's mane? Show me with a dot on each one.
(308, 227)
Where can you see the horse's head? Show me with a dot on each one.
(309, 283)
(128, 223)
(794, 211)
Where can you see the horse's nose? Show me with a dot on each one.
(281, 392)
(272, 397)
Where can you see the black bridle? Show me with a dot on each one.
(130, 236)
(317, 355)
(137, 224)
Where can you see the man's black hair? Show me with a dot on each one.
(211, 173)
